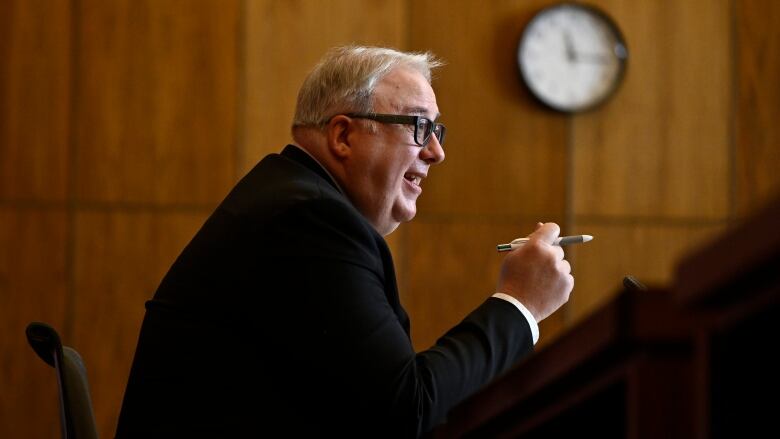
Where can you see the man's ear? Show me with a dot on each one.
(337, 132)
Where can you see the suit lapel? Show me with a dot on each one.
(391, 287)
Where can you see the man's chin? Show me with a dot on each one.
(390, 229)
(406, 214)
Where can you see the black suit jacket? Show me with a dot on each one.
(282, 314)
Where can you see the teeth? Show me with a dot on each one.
(415, 179)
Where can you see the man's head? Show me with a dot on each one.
(378, 163)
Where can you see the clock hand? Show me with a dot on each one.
(594, 58)
(571, 55)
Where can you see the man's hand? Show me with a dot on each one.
(536, 274)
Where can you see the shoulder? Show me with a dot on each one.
(277, 183)
(326, 228)
(287, 204)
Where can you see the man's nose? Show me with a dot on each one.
(432, 153)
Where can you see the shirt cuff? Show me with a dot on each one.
(527, 314)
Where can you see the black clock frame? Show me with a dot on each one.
(621, 49)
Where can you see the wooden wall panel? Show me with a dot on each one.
(156, 100)
(283, 42)
(504, 171)
(757, 110)
(166, 102)
(505, 155)
(660, 148)
(33, 282)
(452, 267)
(647, 252)
(34, 99)
(120, 259)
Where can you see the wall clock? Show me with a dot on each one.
(572, 57)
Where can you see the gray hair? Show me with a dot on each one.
(344, 81)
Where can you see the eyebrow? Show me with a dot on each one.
(419, 111)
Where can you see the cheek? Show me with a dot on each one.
(392, 172)
(397, 180)
(385, 165)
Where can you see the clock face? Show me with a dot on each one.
(571, 57)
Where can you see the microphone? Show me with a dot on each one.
(632, 284)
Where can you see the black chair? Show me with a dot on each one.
(77, 419)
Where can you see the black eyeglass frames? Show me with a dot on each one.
(423, 127)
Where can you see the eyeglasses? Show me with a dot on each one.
(423, 127)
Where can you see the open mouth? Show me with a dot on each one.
(414, 179)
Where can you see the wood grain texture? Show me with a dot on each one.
(758, 104)
(166, 102)
(452, 267)
(646, 251)
(33, 285)
(660, 147)
(120, 259)
(284, 40)
(34, 99)
(505, 154)
(156, 100)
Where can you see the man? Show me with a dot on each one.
(282, 314)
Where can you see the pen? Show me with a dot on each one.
(563, 240)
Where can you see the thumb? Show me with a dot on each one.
(546, 232)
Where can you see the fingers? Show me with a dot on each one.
(564, 267)
(558, 252)
(546, 232)
(537, 273)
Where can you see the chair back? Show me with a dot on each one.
(76, 415)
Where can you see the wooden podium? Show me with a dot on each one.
(695, 360)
